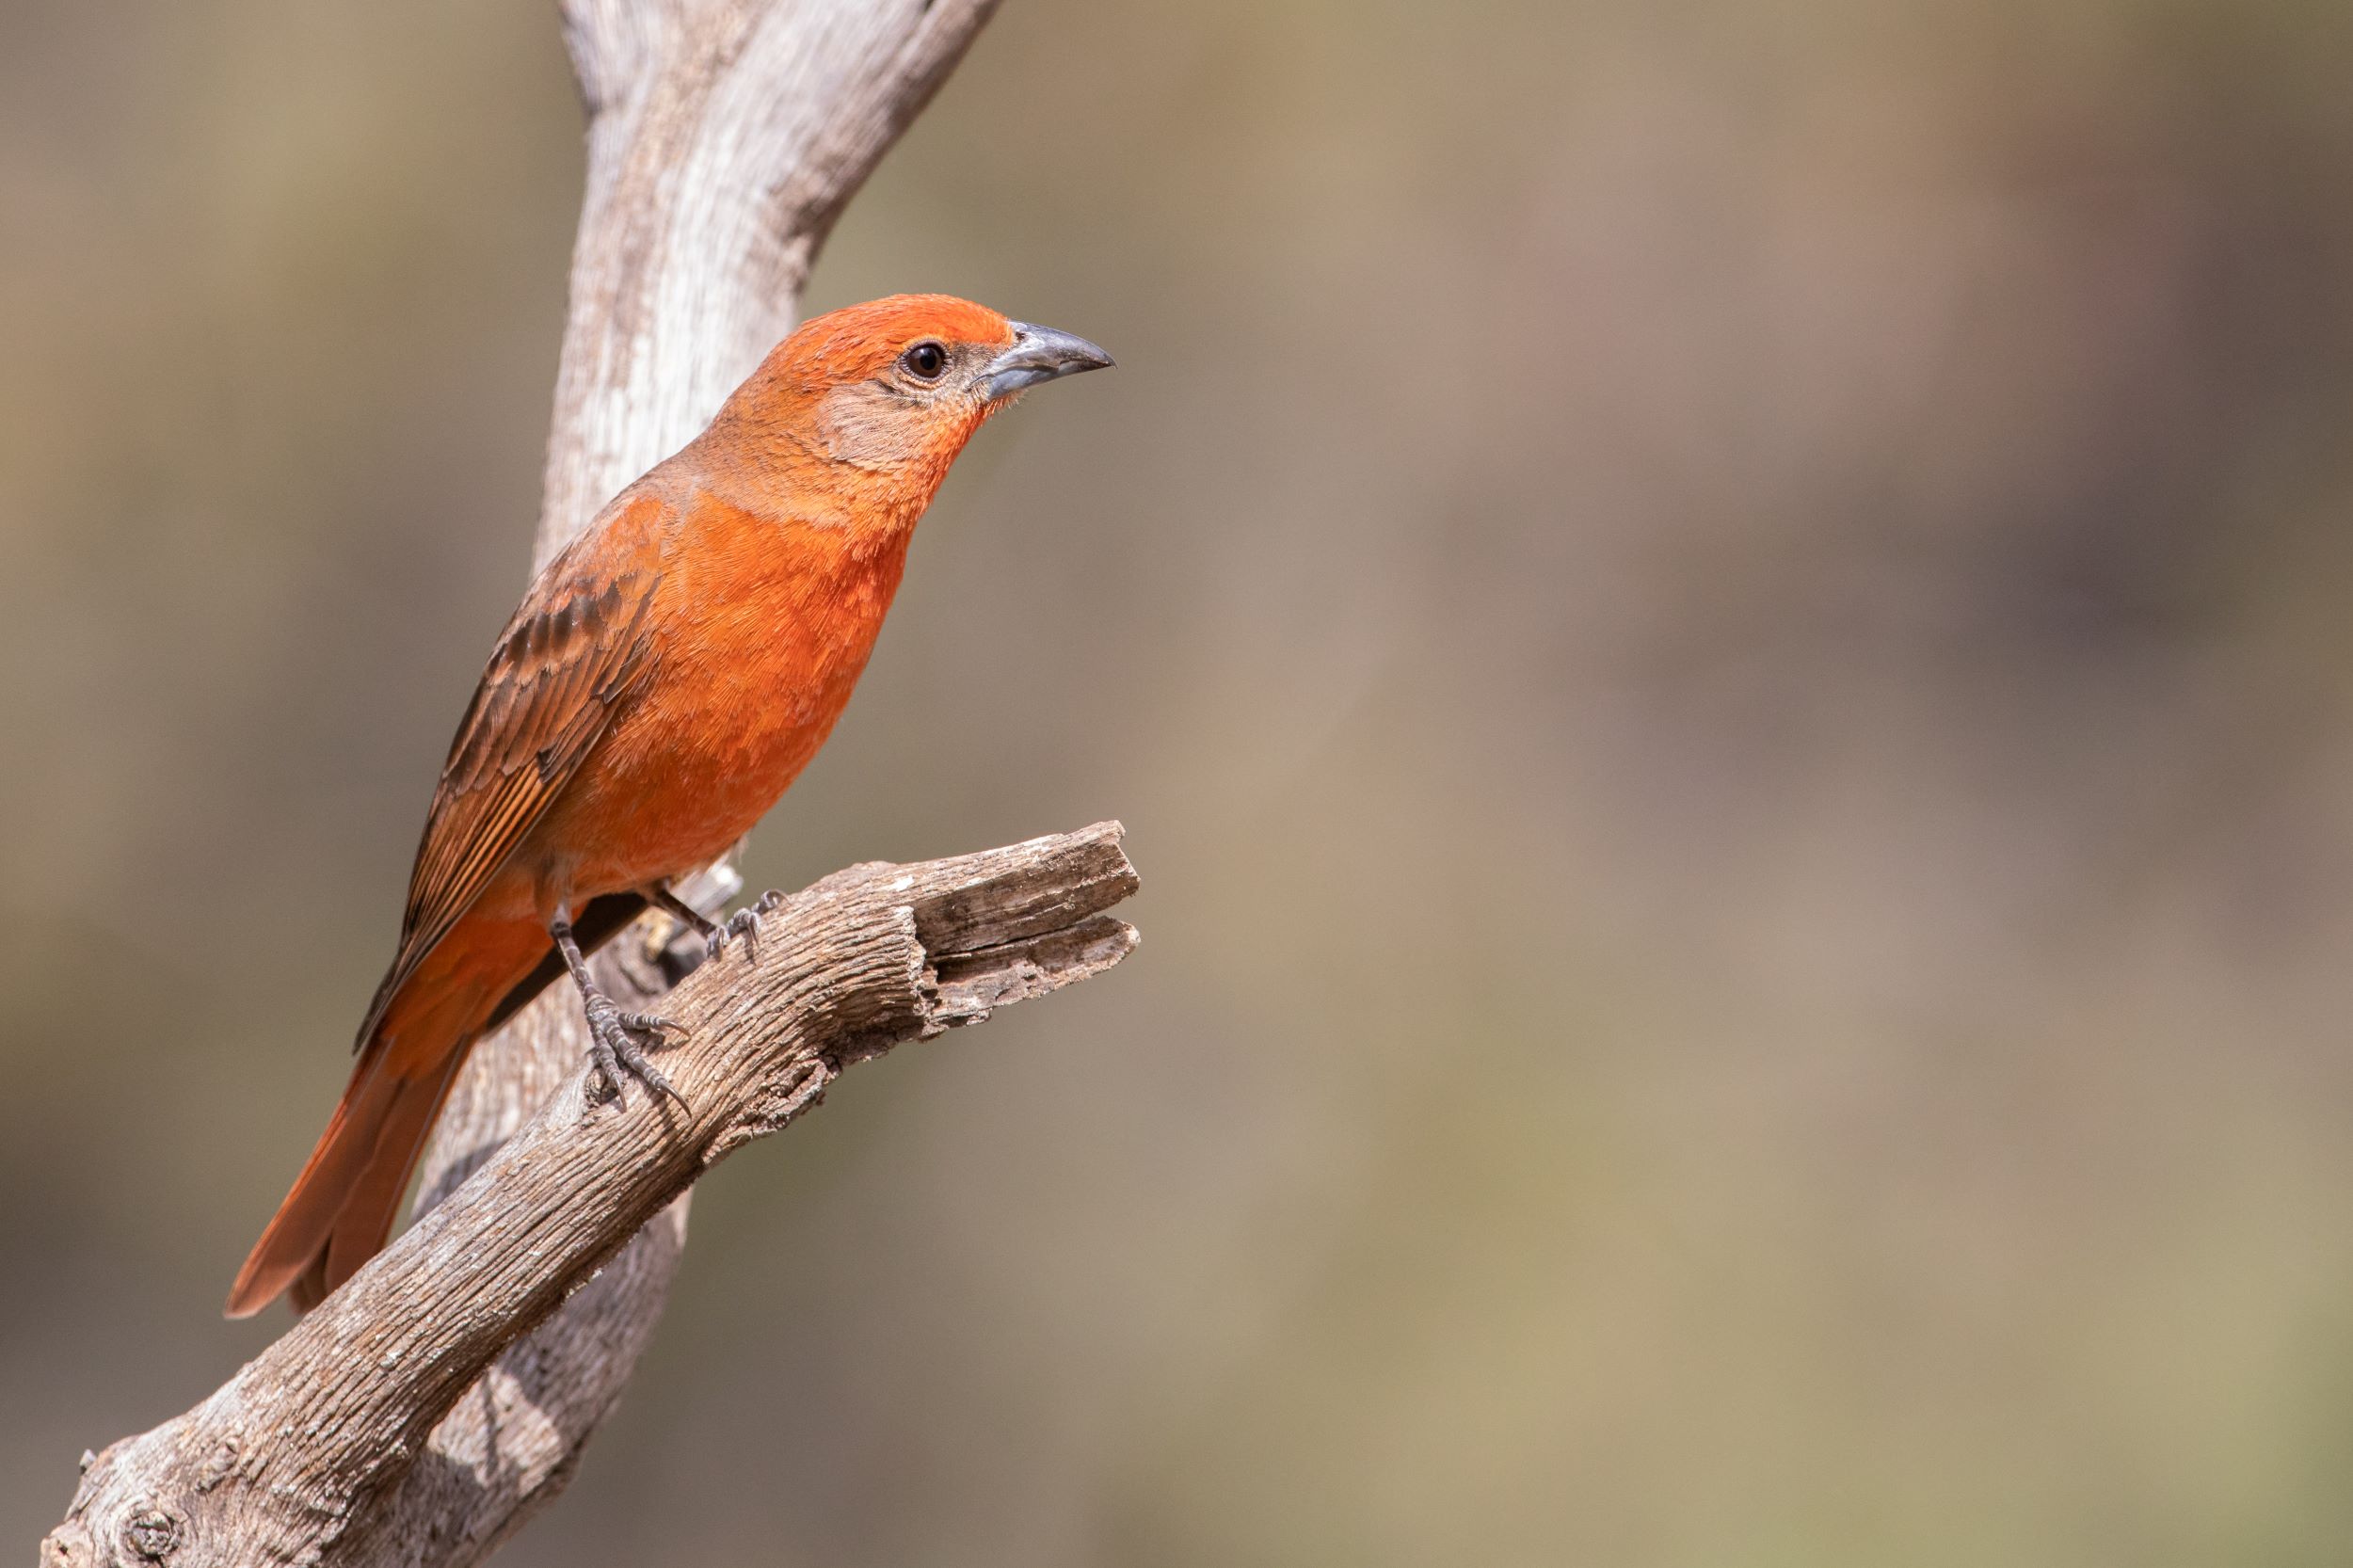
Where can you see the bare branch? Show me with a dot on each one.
(724, 138)
(312, 1451)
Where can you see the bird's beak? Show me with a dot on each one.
(1038, 354)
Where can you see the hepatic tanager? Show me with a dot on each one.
(664, 679)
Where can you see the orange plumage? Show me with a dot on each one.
(663, 681)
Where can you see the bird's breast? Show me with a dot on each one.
(758, 654)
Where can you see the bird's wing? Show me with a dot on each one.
(575, 652)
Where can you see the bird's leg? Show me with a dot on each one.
(744, 923)
(664, 899)
(612, 1048)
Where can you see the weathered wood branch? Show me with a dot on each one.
(312, 1452)
(724, 137)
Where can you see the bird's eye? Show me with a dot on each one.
(925, 360)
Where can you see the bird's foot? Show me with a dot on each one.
(615, 1055)
(744, 923)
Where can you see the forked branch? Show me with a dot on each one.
(724, 138)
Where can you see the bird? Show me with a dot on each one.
(668, 675)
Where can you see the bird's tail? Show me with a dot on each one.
(341, 1211)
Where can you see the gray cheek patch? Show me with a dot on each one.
(866, 427)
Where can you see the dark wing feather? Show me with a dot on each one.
(572, 655)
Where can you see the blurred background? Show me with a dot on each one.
(1722, 629)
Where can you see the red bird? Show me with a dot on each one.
(665, 679)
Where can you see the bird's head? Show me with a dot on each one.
(877, 399)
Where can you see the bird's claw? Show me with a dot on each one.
(615, 1055)
(744, 923)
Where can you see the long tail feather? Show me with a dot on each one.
(341, 1209)
(352, 1185)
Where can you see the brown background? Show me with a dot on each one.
(1722, 631)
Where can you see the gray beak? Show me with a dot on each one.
(1038, 354)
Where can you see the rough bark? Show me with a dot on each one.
(321, 1447)
(724, 138)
